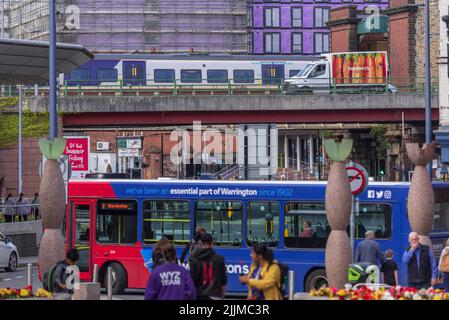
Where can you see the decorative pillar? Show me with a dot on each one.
(421, 200)
(298, 153)
(52, 205)
(338, 211)
(286, 152)
(311, 152)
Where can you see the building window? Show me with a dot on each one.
(217, 76)
(107, 74)
(321, 42)
(296, 42)
(166, 218)
(262, 223)
(272, 42)
(117, 221)
(164, 75)
(272, 17)
(244, 76)
(296, 17)
(223, 219)
(191, 76)
(321, 17)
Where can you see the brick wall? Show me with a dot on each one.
(30, 168)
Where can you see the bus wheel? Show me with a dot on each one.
(118, 278)
(315, 280)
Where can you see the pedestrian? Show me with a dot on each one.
(170, 281)
(389, 270)
(443, 265)
(307, 230)
(264, 277)
(62, 272)
(35, 206)
(422, 271)
(158, 252)
(208, 271)
(369, 251)
(9, 209)
(193, 245)
(22, 207)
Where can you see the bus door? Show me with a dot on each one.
(272, 73)
(80, 235)
(134, 73)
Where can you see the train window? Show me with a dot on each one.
(117, 221)
(243, 76)
(80, 74)
(222, 219)
(305, 225)
(374, 217)
(293, 73)
(262, 223)
(168, 218)
(107, 74)
(191, 76)
(217, 76)
(164, 75)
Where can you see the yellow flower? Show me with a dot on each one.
(24, 293)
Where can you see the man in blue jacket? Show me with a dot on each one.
(170, 281)
(422, 271)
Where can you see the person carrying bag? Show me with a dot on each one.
(443, 265)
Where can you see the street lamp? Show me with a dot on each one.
(427, 82)
(52, 71)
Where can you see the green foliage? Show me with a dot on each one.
(326, 134)
(52, 150)
(378, 134)
(33, 125)
(7, 102)
(338, 151)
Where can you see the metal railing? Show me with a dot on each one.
(19, 212)
(145, 87)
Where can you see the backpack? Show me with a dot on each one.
(48, 281)
(284, 278)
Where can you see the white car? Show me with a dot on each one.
(9, 257)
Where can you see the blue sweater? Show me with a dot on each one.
(169, 281)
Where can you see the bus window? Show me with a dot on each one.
(168, 218)
(222, 219)
(116, 221)
(305, 225)
(374, 217)
(262, 220)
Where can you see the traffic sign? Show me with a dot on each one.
(358, 177)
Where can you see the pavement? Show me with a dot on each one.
(23, 261)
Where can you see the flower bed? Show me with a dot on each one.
(24, 293)
(393, 293)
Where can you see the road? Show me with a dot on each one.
(18, 279)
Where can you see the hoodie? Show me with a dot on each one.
(170, 281)
(208, 272)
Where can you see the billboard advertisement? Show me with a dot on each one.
(360, 67)
(77, 148)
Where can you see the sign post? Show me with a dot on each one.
(77, 149)
(358, 181)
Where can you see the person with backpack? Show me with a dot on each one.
(443, 266)
(264, 277)
(193, 245)
(170, 281)
(55, 280)
(208, 271)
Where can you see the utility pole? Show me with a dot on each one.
(427, 84)
(52, 72)
(3, 19)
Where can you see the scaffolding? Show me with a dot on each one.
(144, 26)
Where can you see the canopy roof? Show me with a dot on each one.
(26, 61)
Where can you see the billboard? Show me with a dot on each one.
(77, 148)
(360, 67)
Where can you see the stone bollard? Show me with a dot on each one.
(421, 200)
(338, 212)
(87, 291)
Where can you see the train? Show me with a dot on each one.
(153, 70)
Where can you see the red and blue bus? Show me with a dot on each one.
(116, 223)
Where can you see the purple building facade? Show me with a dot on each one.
(295, 26)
